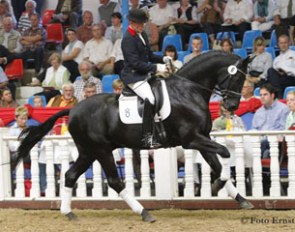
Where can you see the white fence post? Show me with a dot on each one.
(240, 165)
(97, 180)
(291, 167)
(5, 172)
(189, 175)
(19, 179)
(50, 176)
(35, 189)
(275, 189)
(129, 179)
(257, 168)
(206, 180)
(166, 173)
(145, 190)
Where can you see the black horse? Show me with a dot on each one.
(97, 130)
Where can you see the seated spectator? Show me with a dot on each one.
(263, 15)
(290, 122)
(84, 32)
(105, 11)
(170, 50)
(187, 21)
(115, 31)
(37, 101)
(98, 52)
(135, 4)
(152, 33)
(89, 90)
(163, 15)
(68, 13)
(67, 98)
(6, 10)
(117, 59)
(237, 16)
(248, 91)
(258, 67)
(118, 86)
(3, 79)
(9, 37)
(284, 16)
(33, 42)
(211, 12)
(196, 49)
(271, 115)
(72, 55)
(24, 22)
(6, 100)
(86, 77)
(227, 45)
(282, 74)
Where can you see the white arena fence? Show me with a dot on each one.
(166, 180)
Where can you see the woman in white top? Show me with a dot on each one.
(170, 50)
(73, 54)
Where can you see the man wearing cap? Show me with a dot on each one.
(138, 66)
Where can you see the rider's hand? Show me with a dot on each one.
(167, 59)
(161, 68)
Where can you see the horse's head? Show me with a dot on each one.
(231, 84)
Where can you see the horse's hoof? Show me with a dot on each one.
(217, 185)
(72, 217)
(146, 217)
(246, 205)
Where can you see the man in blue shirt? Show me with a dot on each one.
(271, 115)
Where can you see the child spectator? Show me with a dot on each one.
(290, 122)
(118, 86)
(37, 101)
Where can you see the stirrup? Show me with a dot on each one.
(149, 142)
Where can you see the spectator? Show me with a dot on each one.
(284, 16)
(9, 37)
(271, 115)
(170, 50)
(152, 33)
(24, 22)
(115, 31)
(118, 86)
(258, 67)
(196, 47)
(84, 32)
(290, 122)
(187, 21)
(37, 101)
(163, 15)
(263, 15)
(72, 55)
(227, 45)
(282, 74)
(67, 98)
(117, 58)
(211, 12)
(237, 16)
(98, 52)
(6, 100)
(135, 4)
(33, 42)
(3, 79)
(68, 13)
(89, 90)
(86, 77)
(248, 91)
(6, 10)
(105, 11)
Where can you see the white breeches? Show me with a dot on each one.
(143, 90)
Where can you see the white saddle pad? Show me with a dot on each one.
(129, 112)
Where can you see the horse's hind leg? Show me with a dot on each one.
(109, 166)
(71, 176)
(212, 160)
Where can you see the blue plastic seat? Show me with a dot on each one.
(107, 81)
(292, 48)
(158, 53)
(247, 119)
(182, 54)
(257, 92)
(227, 34)
(242, 52)
(273, 40)
(204, 38)
(31, 100)
(174, 40)
(271, 50)
(249, 37)
(287, 90)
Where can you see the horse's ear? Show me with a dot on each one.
(246, 61)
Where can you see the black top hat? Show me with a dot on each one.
(137, 16)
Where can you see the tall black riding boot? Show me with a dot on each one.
(147, 126)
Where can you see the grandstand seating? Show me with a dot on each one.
(248, 39)
(204, 38)
(271, 50)
(107, 82)
(55, 33)
(172, 40)
(31, 100)
(273, 40)
(15, 69)
(47, 16)
(288, 89)
(182, 54)
(257, 92)
(227, 34)
(242, 52)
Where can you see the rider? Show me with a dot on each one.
(138, 66)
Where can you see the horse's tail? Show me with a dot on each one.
(33, 134)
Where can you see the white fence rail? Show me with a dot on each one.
(166, 182)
